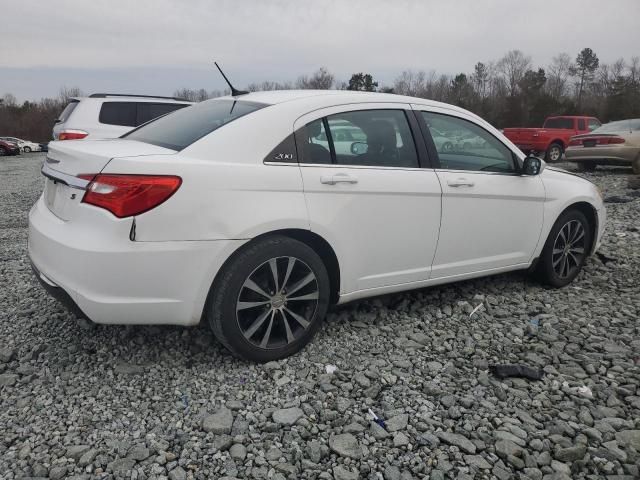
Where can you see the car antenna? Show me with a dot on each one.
(234, 92)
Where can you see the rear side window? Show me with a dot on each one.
(149, 111)
(118, 113)
(593, 124)
(185, 126)
(559, 123)
(71, 106)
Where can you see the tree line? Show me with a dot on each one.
(510, 91)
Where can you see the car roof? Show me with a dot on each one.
(273, 97)
(131, 98)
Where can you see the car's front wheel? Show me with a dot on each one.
(269, 299)
(566, 249)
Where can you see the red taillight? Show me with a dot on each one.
(127, 195)
(72, 135)
(615, 140)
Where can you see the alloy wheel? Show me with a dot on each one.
(554, 154)
(277, 302)
(569, 249)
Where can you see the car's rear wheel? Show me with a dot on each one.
(587, 166)
(27, 149)
(3, 152)
(566, 249)
(270, 299)
(554, 153)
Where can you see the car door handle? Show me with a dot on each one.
(337, 178)
(460, 182)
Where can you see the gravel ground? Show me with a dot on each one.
(141, 402)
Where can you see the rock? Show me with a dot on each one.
(400, 440)
(6, 354)
(341, 473)
(219, 422)
(178, 473)
(477, 461)
(345, 445)
(57, 472)
(76, 451)
(223, 442)
(463, 443)
(139, 453)
(392, 473)
(238, 452)
(287, 416)
(507, 448)
(87, 458)
(377, 431)
(399, 422)
(8, 379)
(121, 465)
(629, 437)
(314, 451)
(571, 454)
(125, 368)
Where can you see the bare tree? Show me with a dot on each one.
(513, 67)
(9, 100)
(269, 85)
(558, 73)
(634, 69)
(66, 93)
(319, 80)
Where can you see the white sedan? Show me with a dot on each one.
(242, 213)
(25, 145)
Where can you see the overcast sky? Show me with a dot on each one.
(157, 46)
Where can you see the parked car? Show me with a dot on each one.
(615, 143)
(44, 147)
(109, 115)
(25, 145)
(8, 148)
(553, 138)
(231, 213)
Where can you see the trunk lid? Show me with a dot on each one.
(67, 162)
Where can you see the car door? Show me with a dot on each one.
(373, 199)
(491, 214)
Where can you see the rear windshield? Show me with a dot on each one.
(559, 123)
(183, 127)
(67, 110)
(619, 126)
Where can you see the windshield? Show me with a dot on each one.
(619, 126)
(183, 127)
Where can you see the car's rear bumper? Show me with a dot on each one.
(123, 282)
(606, 154)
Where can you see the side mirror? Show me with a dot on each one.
(532, 166)
(359, 148)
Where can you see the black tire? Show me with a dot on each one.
(3, 152)
(230, 322)
(554, 153)
(548, 265)
(27, 149)
(587, 166)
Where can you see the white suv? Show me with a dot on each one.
(109, 115)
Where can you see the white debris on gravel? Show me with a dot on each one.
(168, 402)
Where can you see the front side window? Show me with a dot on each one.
(463, 145)
(187, 125)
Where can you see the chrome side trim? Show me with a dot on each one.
(69, 180)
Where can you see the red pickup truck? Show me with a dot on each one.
(553, 137)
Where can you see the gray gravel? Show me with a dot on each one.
(158, 403)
